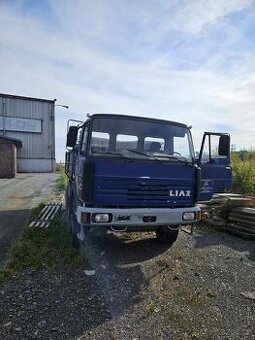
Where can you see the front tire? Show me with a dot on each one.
(167, 235)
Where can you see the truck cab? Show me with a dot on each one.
(131, 173)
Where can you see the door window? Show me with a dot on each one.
(211, 149)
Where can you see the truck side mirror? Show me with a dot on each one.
(224, 145)
(71, 136)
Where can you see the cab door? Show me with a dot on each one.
(214, 161)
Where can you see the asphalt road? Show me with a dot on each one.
(17, 197)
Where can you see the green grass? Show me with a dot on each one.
(39, 248)
(61, 182)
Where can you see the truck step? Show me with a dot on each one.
(46, 216)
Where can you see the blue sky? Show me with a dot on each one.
(188, 60)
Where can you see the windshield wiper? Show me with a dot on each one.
(113, 153)
(174, 158)
(139, 153)
(145, 154)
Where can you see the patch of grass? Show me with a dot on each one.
(38, 248)
(192, 297)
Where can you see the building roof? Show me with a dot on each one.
(5, 95)
(15, 141)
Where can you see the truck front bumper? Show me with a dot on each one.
(137, 216)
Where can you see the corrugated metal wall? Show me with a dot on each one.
(8, 166)
(36, 146)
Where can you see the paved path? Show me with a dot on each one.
(17, 197)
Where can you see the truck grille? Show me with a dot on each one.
(144, 193)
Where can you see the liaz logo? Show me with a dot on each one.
(180, 193)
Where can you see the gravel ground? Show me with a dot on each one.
(203, 287)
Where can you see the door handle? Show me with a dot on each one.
(228, 168)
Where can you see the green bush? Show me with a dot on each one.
(243, 163)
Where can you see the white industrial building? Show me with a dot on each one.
(32, 122)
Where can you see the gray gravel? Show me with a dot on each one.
(201, 288)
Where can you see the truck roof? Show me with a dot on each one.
(120, 116)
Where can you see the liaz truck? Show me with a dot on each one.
(130, 173)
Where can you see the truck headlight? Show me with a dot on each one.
(188, 216)
(101, 218)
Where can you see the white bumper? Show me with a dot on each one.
(140, 216)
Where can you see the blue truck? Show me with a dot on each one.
(128, 173)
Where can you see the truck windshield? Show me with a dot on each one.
(134, 138)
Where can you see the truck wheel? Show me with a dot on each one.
(166, 235)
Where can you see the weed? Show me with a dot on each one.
(151, 308)
(61, 182)
(176, 270)
(195, 335)
(60, 168)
